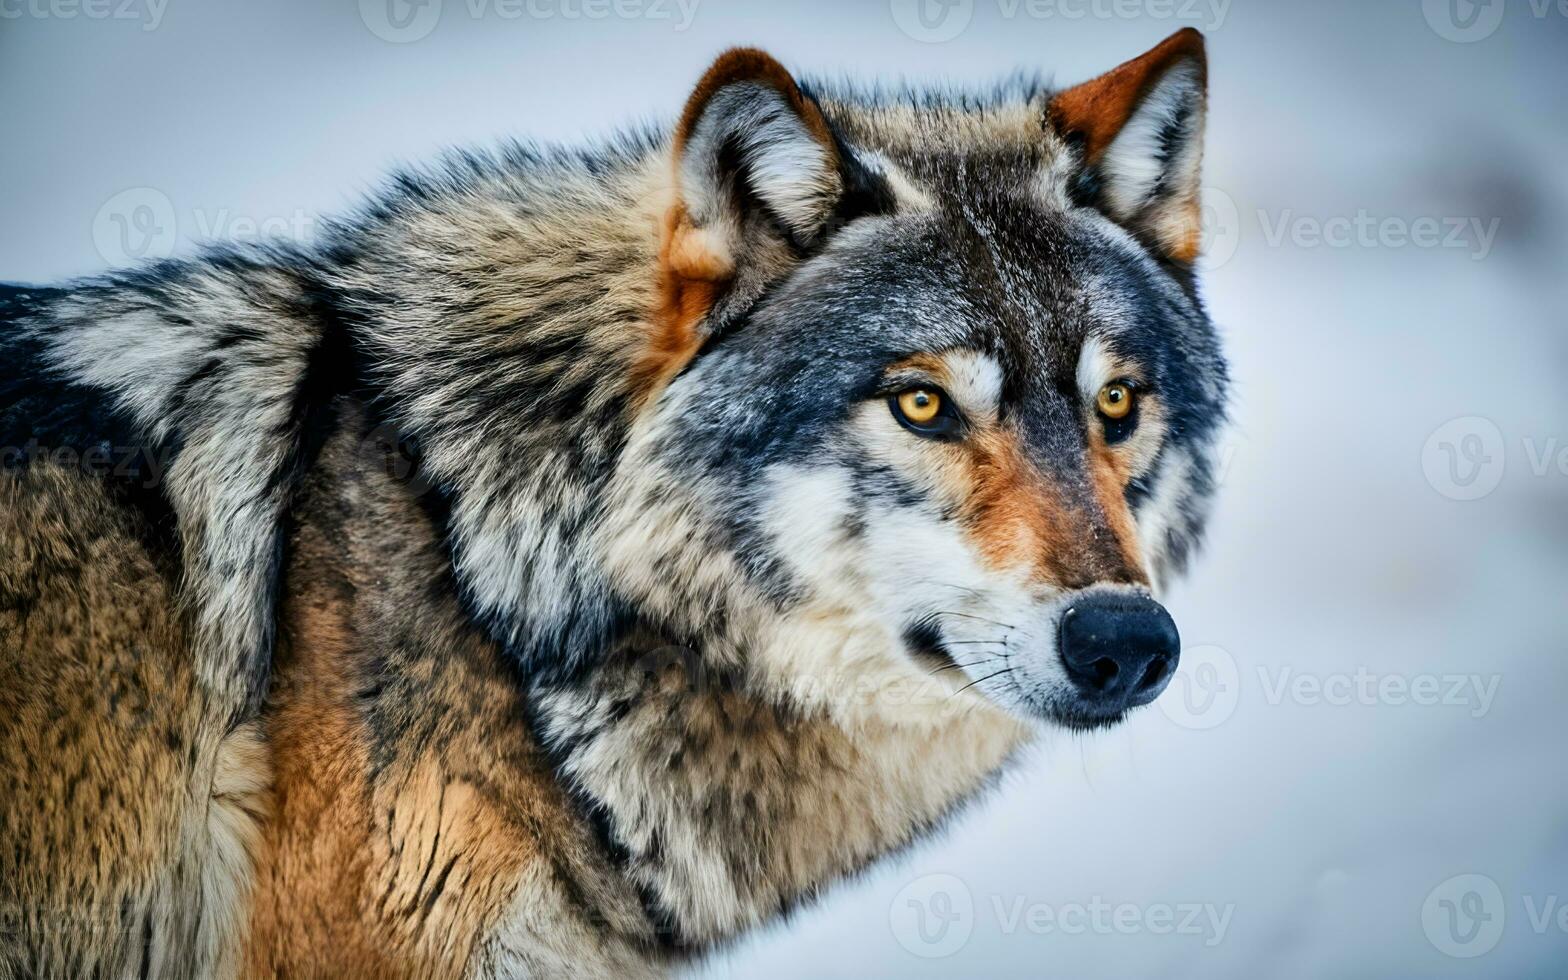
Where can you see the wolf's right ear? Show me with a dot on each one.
(1139, 131)
(758, 178)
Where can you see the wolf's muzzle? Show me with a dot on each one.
(1119, 648)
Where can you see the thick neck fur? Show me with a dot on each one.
(725, 808)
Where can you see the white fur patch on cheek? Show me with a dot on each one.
(922, 564)
(805, 511)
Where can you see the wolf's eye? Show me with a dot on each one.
(1115, 400)
(925, 411)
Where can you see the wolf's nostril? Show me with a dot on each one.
(1105, 671)
(1154, 673)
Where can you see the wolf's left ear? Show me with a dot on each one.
(1139, 129)
(758, 178)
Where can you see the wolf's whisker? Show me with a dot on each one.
(1004, 670)
(958, 666)
(993, 622)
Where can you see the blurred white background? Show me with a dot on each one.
(1376, 664)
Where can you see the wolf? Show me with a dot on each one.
(577, 558)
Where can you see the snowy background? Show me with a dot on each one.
(1361, 770)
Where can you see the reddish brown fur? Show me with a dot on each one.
(1098, 109)
(397, 844)
(689, 281)
(314, 873)
(1020, 518)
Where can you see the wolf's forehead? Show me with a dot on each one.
(1024, 283)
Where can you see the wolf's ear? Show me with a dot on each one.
(1139, 128)
(758, 179)
(750, 145)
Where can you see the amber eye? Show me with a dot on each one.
(1114, 400)
(926, 412)
(920, 405)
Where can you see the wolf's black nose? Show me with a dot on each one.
(1119, 649)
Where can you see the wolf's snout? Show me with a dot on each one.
(1120, 650)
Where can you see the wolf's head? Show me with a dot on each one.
(935, 389)
(857, 393)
